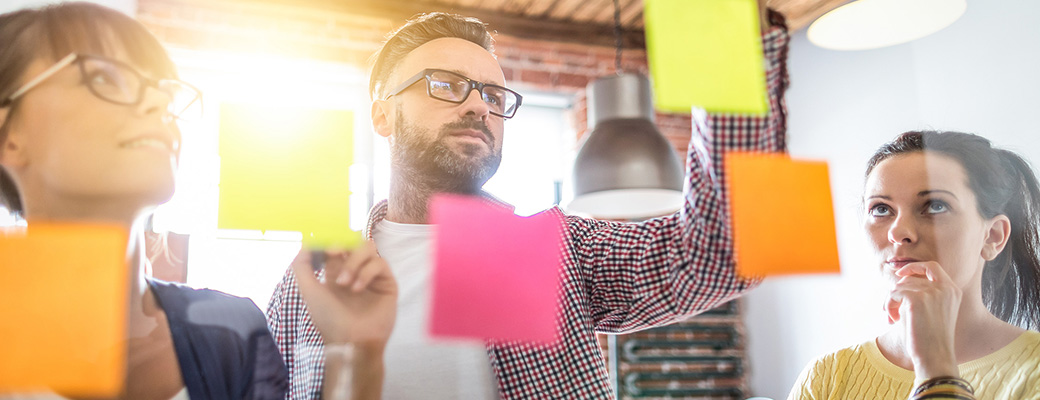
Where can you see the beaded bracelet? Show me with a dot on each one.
(944, 387)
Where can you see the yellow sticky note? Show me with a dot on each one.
(63, 310)
(287, 169)
(706, 53)
(783, 215)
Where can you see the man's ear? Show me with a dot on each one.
(997, 236)
(12, 148)
(382, 117)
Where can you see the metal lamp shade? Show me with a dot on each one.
(625, 168)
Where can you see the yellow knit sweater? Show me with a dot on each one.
(861, 372)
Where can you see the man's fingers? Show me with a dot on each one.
(310, 287)
(301, 266)
(354, 260)
(360, 256)
(317, 259)
(335, 272)
(369, 272)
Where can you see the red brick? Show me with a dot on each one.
(540, 78)
(572, 80)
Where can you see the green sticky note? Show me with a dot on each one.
(706, 53)
(287, 169)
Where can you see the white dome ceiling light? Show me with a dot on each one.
(871, 24)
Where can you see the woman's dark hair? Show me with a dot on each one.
(418, 31)
(52, 32)
(1003, 183)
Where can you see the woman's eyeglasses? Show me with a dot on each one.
(119, 83)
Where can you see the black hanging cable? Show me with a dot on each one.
(617, 36)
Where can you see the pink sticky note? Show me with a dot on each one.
(496, 275)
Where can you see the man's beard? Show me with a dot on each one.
(434, 164)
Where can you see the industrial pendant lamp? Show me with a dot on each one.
(871, 24)
(625, 168)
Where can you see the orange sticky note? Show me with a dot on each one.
(783, 215)
(63, 306)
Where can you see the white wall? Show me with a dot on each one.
(980, 75)
(983, 74)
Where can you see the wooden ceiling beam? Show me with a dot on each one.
(586, 13)
(540, 8)
(550, 20)
(512, 24)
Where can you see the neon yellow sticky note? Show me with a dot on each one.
(64, 308)
(287, 169)
(783, 215)
(706, 53)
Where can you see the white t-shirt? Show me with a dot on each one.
(418, 367)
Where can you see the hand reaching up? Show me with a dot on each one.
(356, 303)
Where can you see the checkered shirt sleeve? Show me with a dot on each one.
(298, 340)
(670, 268)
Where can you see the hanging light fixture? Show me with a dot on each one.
(871, 24)
(625, 168)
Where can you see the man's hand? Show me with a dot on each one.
(357, 301)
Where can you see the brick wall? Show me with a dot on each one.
(568, 68)
(330, 35)
(301, 32)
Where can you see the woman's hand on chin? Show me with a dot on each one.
(927, 301)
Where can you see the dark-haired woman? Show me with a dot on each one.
(954, 224)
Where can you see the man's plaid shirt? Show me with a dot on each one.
(617, 277)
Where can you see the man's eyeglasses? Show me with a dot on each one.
(119, 83)
(455, 88)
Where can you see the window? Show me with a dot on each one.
(537, 154)
(250, 263)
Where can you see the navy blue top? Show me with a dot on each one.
(222, 343)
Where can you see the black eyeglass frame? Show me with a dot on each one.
(479, 86)
(80, 60)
